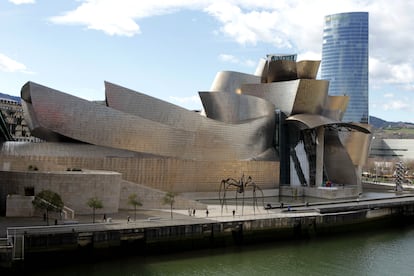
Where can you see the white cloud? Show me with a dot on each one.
(384, 71)
(10, 65)
(408, 87)
(228, 58)
(396, 105)
(235, 60)
(284, 24)
(118, 17)
(19, 2)
(248, 27)
(389, 95)
(310, 56)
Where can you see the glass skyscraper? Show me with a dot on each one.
(345, 61)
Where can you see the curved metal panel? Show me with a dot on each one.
(281, 94)
(335, 107)
(210, 140)
(150, 108)
(281, 70)
(235, 108)
(357, 144)
(261, 68)
(229, 81)
(292, 97)
(37, 129)
(311, 96)
(309, 121)
(307, 69)
(338, 165)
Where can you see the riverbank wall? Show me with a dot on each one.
(155, 235)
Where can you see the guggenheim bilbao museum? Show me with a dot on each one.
(278, 126)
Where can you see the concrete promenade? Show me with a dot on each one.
(162, 217)
(148, 218)
(22, 236)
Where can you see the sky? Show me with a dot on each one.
(172, 49)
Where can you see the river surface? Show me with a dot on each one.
(373, 252)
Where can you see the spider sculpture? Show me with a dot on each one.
(230, 184)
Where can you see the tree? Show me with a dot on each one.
(169, 198)
(94, 203)
(134, 201)
(48, 200)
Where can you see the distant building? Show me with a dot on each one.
(387, 149)
(345, 61)
(12, 112)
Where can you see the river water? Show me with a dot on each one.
(375, 252)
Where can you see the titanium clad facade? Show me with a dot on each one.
(150, 108)
(279, 127)
(292, 97)
(338, 164)
(165, 174)
(313, 119)
(345, 61)
(335, 107)
(229, 81)
(307, 69)
(57, 114)
(281, 70)
(234, 108)
(357, 145)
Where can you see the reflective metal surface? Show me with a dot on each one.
(159, 172)
(293, 90)
(357, 144)
(281, 117)
(229, 81)
(307, 69)
(337, 162)
(234, 108)
(335, 107)
(206, 139)
(281, 70)
(292, 97)
(150, 108)
(309, 121)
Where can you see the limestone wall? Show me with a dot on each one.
(75, 187)
(19, 206)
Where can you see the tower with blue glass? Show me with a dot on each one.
(345, 61)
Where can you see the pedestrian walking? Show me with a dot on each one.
(207, 213)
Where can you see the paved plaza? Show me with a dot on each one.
(213, 212)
